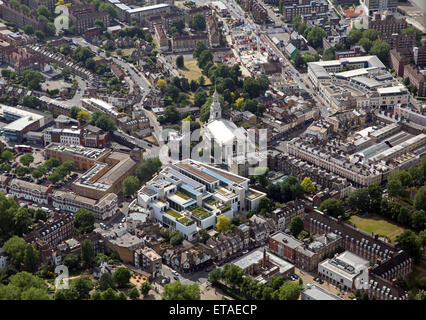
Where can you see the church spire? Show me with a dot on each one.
(215, 108)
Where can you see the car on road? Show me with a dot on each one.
(176, 277)
(165, 280)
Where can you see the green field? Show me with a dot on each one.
(191, 71)
(377, 225)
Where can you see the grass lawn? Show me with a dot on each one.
(376, 224)
(191, 71)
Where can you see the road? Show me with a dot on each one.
(237, 13)
(137, 78)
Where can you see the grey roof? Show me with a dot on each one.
(315, 292)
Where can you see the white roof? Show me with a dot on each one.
(220, 5)
(148, 8)
(223, 131)
(396, 89)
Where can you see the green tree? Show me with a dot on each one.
(381, 49)
(84, 220)
(360, 199)
(87, 253)
(105, 282)
(232, 274)
(37, 174)
(420, 199)
(145, 288)
(370, 34)
(198, 22)
(147, 168)
(298, 60)
(395, 188)
(130, 185)
(121, 277)
(202, 236)
(107, 7)
(176, 238)
(354, 36)
(74, 112)
(22, 171)
(290, 291)
(223, 224)
(296, 226)
(26, 159)
(24, 286)
(307, 185)
(410, 243)
(83, 286)
(179, 291)
(40, 35)
(83, 116)
(7, 155)
(315, 36)
(215, 275)
(66, 294)
(199, 47)
(28, 29)
(71, 261)
(134, 293)
(15, 249)
(180, 62)
(333, 206)
(30, 102)
(365, 43)
(418, 219)
(31, 258)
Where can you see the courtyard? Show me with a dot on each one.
(377, 225)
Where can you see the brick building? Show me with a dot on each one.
(84, 16)
(20, 17)
(292, 11)
(417, 78)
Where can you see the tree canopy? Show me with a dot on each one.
(179, 291)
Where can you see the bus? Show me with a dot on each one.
(23, 148)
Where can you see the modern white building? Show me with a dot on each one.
(189, 195)
(347, 271)
(62, 136)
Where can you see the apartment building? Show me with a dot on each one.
(282, 216)
(50, 4)
(304, 255)
(161, 37)
(417, 78)
(187, 42)
(84, 16)
(188, 195)
(62, 136)
(258, 11)
(103, 208)
(378, 5)
(294, 10)
(20, 17)
(148, 260)
(55, 230)
(83, 157)
(29, 191)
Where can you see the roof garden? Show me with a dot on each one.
(173, 213)
(183, 195)
(186, 221)
(200, 212)
(225, 208)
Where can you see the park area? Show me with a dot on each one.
(191, 71)
(377, 225)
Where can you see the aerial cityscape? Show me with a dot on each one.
(212, 150)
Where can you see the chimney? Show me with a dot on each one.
(264, 258)
(161, 193)
(376, 236)
(199, 200)
(379, 262)
(393, 282)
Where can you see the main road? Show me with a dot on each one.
(138, 80)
